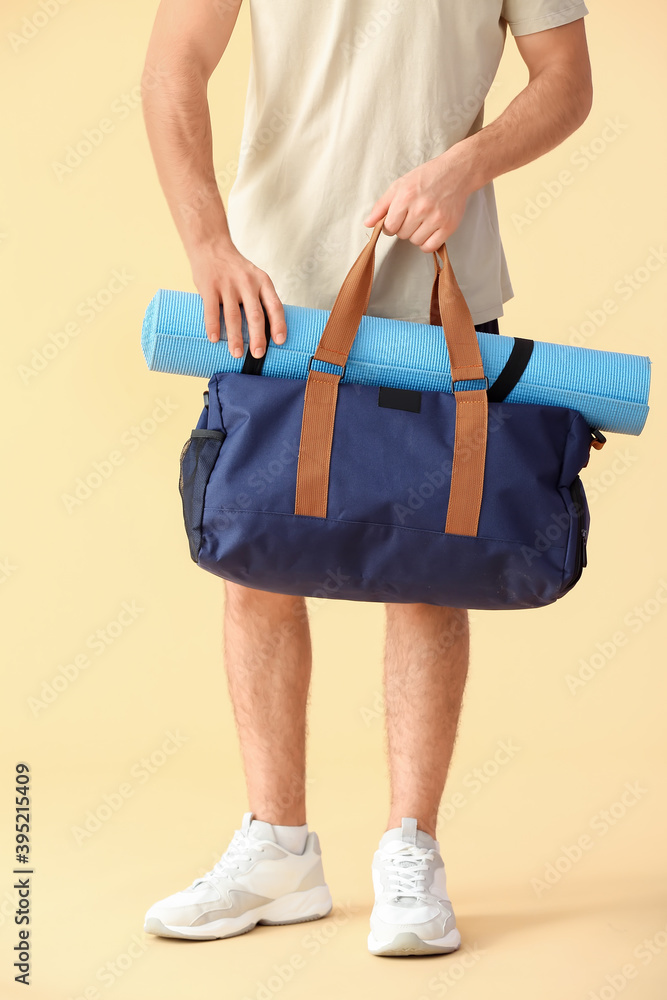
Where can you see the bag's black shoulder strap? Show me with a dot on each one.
(252, 365)
(514, 368)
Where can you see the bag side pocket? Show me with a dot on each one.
(198, 457)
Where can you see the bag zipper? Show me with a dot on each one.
(579, 500)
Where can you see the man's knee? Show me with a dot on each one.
(448, 625)
(441, 611)
(238, 595)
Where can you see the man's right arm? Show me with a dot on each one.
(186, 44)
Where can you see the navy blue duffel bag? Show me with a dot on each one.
(326, 488)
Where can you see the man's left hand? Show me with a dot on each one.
(425, 205)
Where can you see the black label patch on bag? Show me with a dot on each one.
(400, 399)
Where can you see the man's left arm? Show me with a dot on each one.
(426, 205)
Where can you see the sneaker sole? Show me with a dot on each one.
(409, 943)
(292, 908)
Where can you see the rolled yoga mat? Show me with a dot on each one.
(608, 388)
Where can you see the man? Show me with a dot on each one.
(356, 110)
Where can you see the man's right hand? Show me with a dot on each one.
(223, 275)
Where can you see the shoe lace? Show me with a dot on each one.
(241, 848)
(406, 867)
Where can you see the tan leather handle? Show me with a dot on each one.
(350, 305)
(321, 393)
(352, 301)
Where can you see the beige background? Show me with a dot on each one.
(68, 574)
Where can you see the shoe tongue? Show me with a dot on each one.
(403, 835)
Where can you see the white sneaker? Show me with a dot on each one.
(255, 882)
(412, 914)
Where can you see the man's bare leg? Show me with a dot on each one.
(426, 664)
(268, 664)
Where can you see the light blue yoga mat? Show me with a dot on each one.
(608, 388)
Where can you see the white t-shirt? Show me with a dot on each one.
(343, 97)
